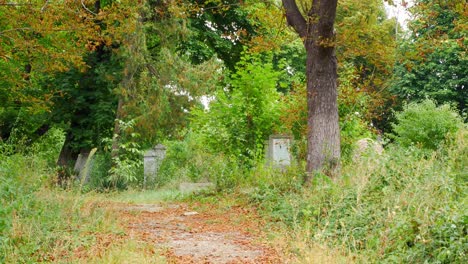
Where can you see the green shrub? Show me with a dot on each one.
(39, 224)
(191, 160)
(17, 184)
(127, 166)
(425, 125)
(99, 174)
(48, 147)
(353, 104)
(352, 128)
(242, 117)
(404, 206)
(21, 174)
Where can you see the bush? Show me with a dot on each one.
(352, 128)
(400, 207)
(190, 160)
(39, 224)
(18, 182)
(425, 125)
(49, 145)
(22, 174)
(99, 174)
(241, 118)
(126, 167)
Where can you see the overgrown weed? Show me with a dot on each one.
(41, 223)
(128, 253)
(402, 206)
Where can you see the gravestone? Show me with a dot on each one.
(279, 150)
(84, 165)
(367, 146)
(152, 160)
(80, 162)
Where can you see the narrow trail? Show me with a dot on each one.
(192, 234)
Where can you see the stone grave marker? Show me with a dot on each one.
(367, 146)
(279, 150)
(152, 160)
(80, 162)
(84, 165)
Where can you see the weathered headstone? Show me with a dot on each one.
(152, 160)
(279, 150)
(80, 162)
(84, 165)
(367, 145)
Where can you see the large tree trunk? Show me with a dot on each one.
(323, 133)
(323, 136)
(66, 159)
(66, 156)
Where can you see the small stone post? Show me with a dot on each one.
(84, 165)
(278, 152)
(152, 161)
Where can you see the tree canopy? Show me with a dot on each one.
(114, 72)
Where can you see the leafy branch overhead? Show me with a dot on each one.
(320, 117)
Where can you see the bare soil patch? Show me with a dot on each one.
(209, 235)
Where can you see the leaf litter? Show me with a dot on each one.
(209, 235)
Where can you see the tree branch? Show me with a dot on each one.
(43, 8)
(84, 6)
(14, 4)
(326, 14)
(14, 29)
(295, 18)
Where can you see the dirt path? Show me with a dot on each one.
(195, 234)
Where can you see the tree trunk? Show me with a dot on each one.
(65, 161)
(323, 133)
(66, 155)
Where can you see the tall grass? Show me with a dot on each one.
(404, 206)
(40, 223)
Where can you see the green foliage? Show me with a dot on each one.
(125, 170)
(353, 104)
(17, 184)
(221, 29)
(36, 224)
(440, 75)
(290, 63)
(432, 62)
(395, 208)
(49, 146)
(99, 175)
(243, 115)
(23, 173)
(127, 164)
(352, 128)
(43, 72)
(88, 103)
(425, 125)
(353, 107)
(366, 42)
(190, 160)
(161, 102)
